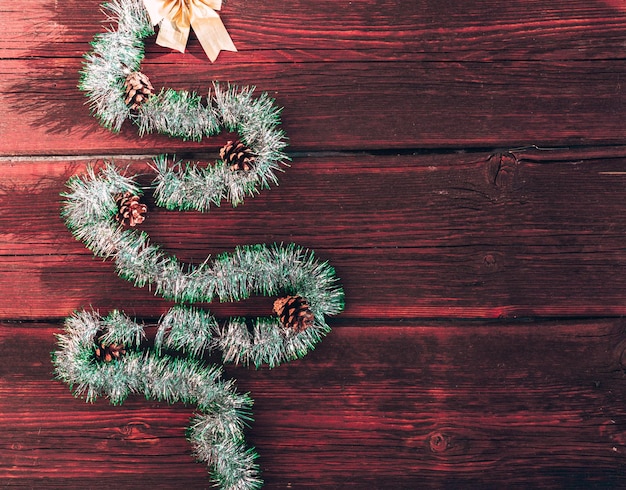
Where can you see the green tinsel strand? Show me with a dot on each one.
(256, 120)
(130, 17)
(216, 434)
(114, 55)
(180, 114)
(189, 330)
(90, 212)
(248, 270)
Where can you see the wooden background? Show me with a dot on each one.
(462, 164)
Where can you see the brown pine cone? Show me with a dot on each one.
(130, 210)
(238, 156)
(106, 353)
(138, 89)
(294, 313)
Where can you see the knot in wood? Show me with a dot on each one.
(503, 168)
(622, 357)
(489, 260)
(136, 430)
(619, 355)
(439, 442)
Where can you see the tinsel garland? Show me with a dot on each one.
(289, 272)
(89, 212)
(216, 433)
(182, 114)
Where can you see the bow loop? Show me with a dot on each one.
(178, 17)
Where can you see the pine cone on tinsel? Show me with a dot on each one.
(138, 89)
(238, 156)
(106, 353)
(130, 210)
(294, 313)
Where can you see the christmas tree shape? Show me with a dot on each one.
(108, 355)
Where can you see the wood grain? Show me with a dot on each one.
(300, 31)
(404, 75)
(462, 165)
(365, 105)
(476, 235)
(415, 405)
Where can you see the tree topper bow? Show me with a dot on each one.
(176, 17)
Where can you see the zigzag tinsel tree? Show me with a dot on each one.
(108, 355)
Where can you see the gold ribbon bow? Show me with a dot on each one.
(176, 17)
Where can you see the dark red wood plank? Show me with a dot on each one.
(410, 236)
(521, 404)
(341, 106)
(390, 399)
(379, 75)
(303, 31)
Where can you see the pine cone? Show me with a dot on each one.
(106, 353)
(238, 156)
(138, 89)
(294, 313)
(130, 210)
